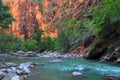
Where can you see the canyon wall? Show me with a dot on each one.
(30, 15)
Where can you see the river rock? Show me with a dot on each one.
(30, 54)
(11, 76)
(20, 52)
(3, 70)
(11, 69)
(16, 77)
(10, 64)
(2, 59)
(24, 68)
(112, 77)
(19, 72)
(118, 60)
(56, 61)
(2, 74)
(75, 73)
(46, 56)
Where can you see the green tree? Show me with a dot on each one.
(105, 15)
(68, 31)
(6, 40)
(5, 17)
(47, 44)
(29, 45)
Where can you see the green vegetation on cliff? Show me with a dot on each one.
(104, 22)
(105, 15)
(5, 16)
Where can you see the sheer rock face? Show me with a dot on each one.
(27, 18)
(30, 15)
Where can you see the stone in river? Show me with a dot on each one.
(56, 61)
(75, 73)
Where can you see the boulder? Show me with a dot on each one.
(19, 72)
(16, 77)
(2, 59)
(2, 75)
(11, 69)
(10, 64)
(30, 54)
(46, 56)
(20, 52)
(118, 60)
(4, 70)
(56, 61)
(112, 77)
(24, 68)
(75, 73)
(11, 76)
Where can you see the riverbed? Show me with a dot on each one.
(92, 70)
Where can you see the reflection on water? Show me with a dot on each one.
(92, 70)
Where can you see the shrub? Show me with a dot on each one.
(47, 44)
(105, 15)
(68, 31)
(29, 45)
(8, 42)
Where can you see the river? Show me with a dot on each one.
(92, 70)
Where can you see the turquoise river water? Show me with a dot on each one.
(92, 70)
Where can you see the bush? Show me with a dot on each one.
(47, 44)
(105, 15)
(68, 31)
(29, 45)
(8, 42)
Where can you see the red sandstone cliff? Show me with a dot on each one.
(30, 15)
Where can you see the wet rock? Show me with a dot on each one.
(2, 59)
(24, 68)
(118, 60)
(20, 52)
(30, 54)
(46, 56)
(11, 69)
(56, 61)
(4, 70)
(11, 76)
(10, 64)
(112, 77)
(2, 75)
(16, 77)
(54, 54)
(75, 73)
(19, 72)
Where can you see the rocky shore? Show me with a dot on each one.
(13, 71)
(41, 55)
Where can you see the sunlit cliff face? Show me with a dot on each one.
(30, 15)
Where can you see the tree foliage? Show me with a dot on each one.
(105, 14)
(5, 17)
(68, 31)
(29, 45)
(8, 42)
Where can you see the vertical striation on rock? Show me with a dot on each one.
(30, 15)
